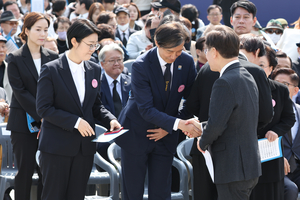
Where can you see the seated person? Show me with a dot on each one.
(140, 41)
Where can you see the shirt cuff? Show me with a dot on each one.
(77, 123)
(175, 126)
(201, 127)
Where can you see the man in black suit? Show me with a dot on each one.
(123, 30)
(229, 134)
(291, 139)
(198, 102)
(115, 85)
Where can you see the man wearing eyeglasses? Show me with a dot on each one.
(115, 85)
(214, 16)
(8, 24)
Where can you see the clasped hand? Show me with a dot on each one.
(191, 128)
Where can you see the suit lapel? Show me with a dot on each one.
(297, 137)
(28, 61)
(124, 90)
(106, 90)
(158, 75)
(89, 75)
(68, 79)
(45, 56)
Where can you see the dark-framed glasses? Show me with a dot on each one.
(112, 62)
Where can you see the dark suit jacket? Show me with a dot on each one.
(148, 108)
(292, 147)
(59, 105)
(199, 99)
(282, 122)
(23, 76)
(231, 127)
(131, 31)
(18, 41)
(106, 96)
(296, 68)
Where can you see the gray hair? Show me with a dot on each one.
(109, 47)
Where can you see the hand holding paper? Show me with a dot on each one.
(271, 136)
(114, 124)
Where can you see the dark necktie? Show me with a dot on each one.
(116, 99)
(292, 160)
(167, 78)
(124, 39)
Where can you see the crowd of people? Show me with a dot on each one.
(225, 86)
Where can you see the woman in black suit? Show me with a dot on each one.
(271, 183)
(23, 72)
(68, 99)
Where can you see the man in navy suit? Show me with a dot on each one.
(115, 85)
(160, 79)
(291, 140)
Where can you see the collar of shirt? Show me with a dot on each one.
(126, 33)
(227, 65)
(74, 66)
(243, 55)
(110, 80)
(163, 63)
(83, 16)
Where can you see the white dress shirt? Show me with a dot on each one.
(227, 65)
(37, 63)
(77, 71)
(126, 34)
(111, 85)
(163, 69)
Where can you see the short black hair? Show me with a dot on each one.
(105, 31)
(9, 3)
(87, 3)
(200, 43)
(190, 12)
(224, 40)
(247, 5)
(104, 17)
(58, 5)
(252, 44)
(271, 56)
(171, 35)
(281, 54)
(109, 1)
(213, 7)
(80, 29)
(288, 71)
(60, 20)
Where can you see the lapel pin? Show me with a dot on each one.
(181, 88)
(94, 83)
(273, 102)
(125, 82)
(179, 67)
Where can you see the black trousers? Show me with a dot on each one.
(65, 177)
(24, 147)
(204, 188)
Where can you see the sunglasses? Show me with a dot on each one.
(271, 31)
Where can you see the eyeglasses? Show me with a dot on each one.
(92, 46)
(271, 31)
(12, 23)
(287, 84)
(112, 62)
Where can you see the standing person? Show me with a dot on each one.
(229, 134)
(160, 78)
(23, 71)
(68, 100)
(199, 100)
(271, 183)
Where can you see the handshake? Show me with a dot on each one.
(191, 127)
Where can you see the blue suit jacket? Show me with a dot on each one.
(147, 107)
(106, 96)
(294, 147)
